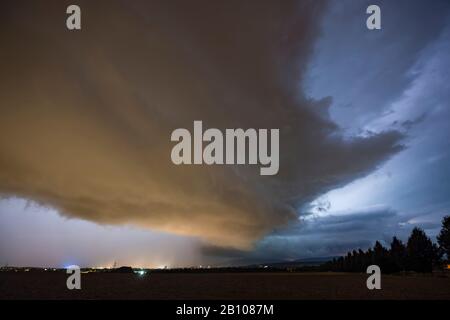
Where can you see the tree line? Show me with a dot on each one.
(419, 254)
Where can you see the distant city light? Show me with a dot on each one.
(162, 267)
(141, 272)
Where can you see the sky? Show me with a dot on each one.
(85, 170)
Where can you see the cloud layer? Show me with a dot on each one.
(87, 116)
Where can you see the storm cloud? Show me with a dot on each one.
(86, 116)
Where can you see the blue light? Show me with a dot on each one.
(141, 272)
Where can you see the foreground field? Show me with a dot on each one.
(221, 286)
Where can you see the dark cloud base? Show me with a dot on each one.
(87, 116)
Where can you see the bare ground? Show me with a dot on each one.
(188, 286)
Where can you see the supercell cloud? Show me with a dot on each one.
(86, 116)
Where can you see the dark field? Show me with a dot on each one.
(221, 286)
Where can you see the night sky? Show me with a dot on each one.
(86, 116)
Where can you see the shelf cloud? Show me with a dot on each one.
(86, 116)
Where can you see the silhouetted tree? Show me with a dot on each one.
(420, 252)
(397, 255)
(369, 258)
(348, 262)
(381, 257)
(444, 237)
(361, 261)
(438, 253)
(341, 264)
(354, 262)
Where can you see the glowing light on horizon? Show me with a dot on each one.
(141, 272)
